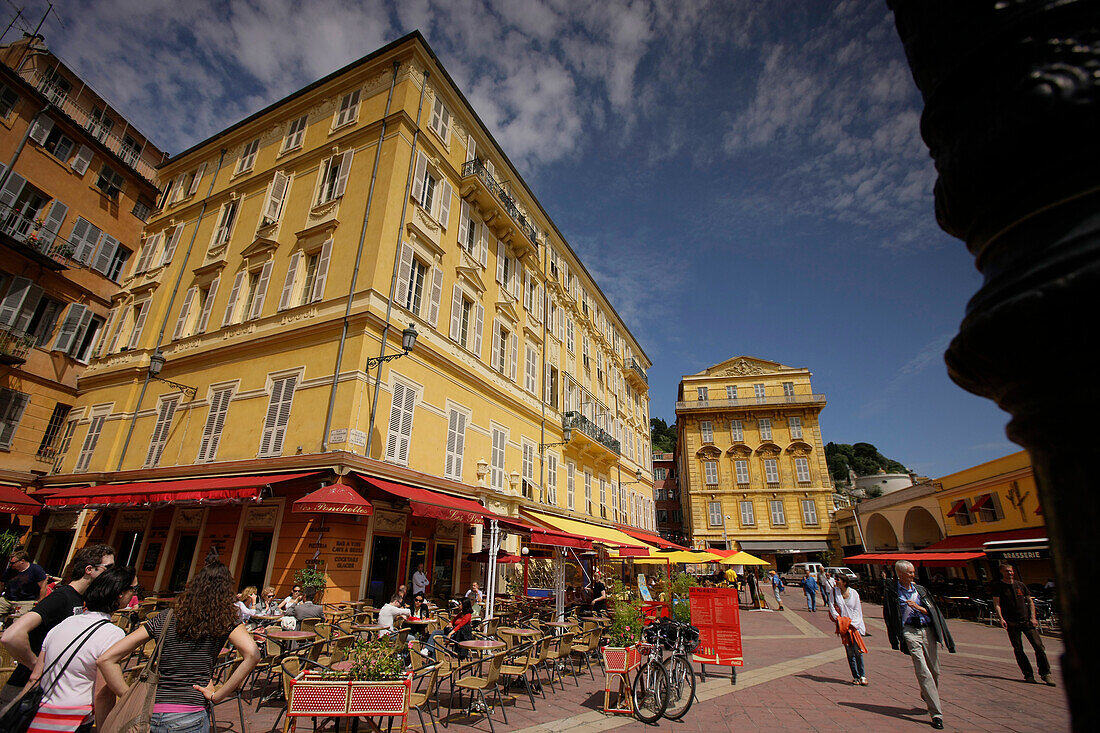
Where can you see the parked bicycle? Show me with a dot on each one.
(650, 688)
(666, 687)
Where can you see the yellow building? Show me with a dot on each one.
(288, 250)
(752, 462)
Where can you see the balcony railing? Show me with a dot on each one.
(33, 234)
(798, 399)
(14, 346)
(634, 365)
(478, 170)
(577, 421)
(121, 147)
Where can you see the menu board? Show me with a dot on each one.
(714, 612)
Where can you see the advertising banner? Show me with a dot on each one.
(714, 611)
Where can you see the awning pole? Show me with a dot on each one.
(559, 584)
(494, 547)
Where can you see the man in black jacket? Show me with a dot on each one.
(916, 627)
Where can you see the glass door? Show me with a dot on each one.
(443, 572)
(384, 566)
(254, 570)
(181, 565)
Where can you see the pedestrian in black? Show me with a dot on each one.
(1016, 611)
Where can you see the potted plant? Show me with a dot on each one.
(311, 577)
(372, 682)
(620, 654)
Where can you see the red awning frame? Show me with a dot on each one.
(956, 507)
(14, 501)
(981, 502)
(334, 499)
(204, 491)
(548, 537)
(433, 504)
(649, 537)
(927, 559)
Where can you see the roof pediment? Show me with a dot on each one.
(743, 366)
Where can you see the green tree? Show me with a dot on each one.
(662, 435)
(863, 458)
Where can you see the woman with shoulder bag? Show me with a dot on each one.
(189, 639)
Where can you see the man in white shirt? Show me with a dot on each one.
(420, 580)
(474, 594)
(389, 612)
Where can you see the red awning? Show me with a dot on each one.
(210, 490)
(549, 537)
(975, 542)
(502, 557)
(648, 537)
(981, 502)
(14, 501)
(335, 499)
(434, 504)
(928, 559)
(956, 507)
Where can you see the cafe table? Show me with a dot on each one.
(284, 638)
(368, 628)
(265, 619)
(560, 626)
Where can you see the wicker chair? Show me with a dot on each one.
(518, 663)
(420, 701)
(481, 685)
(589, 642)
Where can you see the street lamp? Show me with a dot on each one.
(566, 434)
(156, 363)
(725, 536)
(408, 341)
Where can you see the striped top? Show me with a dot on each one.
(184, 662)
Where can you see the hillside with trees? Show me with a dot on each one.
(662, 435)
(862, 458)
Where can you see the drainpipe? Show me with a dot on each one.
(396, 262)
(19, 148)
(168, 310)
(545, 368)
(355, 272)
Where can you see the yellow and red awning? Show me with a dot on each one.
(205, 490)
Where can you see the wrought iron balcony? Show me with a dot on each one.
(14, 346)
(577, 421)
(636, 366)
(33, 238)
(476, 169)
(748, 402)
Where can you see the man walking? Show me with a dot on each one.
(809, 586)
(777, 588)
(825, 584)
(1016, 612)
(916, 627)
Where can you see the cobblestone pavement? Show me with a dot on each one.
(796, 678)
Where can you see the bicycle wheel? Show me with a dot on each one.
(681, 687)
(650, 692)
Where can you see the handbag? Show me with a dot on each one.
(17, 716)
(133, 710)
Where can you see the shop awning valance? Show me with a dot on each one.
(610, 536)
(784, 547)
(548, 537)
(975, 541)
(14, 501)
(335, 499)
(434, 504)
(206, 490)
(650, 538)
(928, 559)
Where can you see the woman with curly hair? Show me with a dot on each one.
(203, 618)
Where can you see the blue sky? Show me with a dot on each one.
(740, 177)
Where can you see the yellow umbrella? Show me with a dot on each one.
(742, 558)
(680, 556)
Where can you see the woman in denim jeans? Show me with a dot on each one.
(204, 617)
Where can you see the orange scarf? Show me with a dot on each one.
(849, 634)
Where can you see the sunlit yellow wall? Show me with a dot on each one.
(1010, 479)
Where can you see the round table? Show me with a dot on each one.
(482, 645)
(561, 626)
(265, 619)
(368, 628)
(291, 635)
(518, 632)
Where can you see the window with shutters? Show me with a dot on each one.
(215, 422)
(570, 485)
(226, 219)
(110, 181)
(500, 348)
(295, 134)
(710, 469)
(91, 439)
(552, 478)
(809, 512)
(63, 445)
(731, 393)
(47, 448)
(59, 145)
(588, 493)
(334, 177)
(414, 286)
(702, 393)
(714, 513)
(528, 469)
(470, 231)
(456, 443)
(779, 515)
(300, 288)
(497, 476)
(142, 210)
(737, 431)
(8, 100)
(802, 470)
(348, 111)
(570, 342)
(771, 471)
(138, 313)
(312, 261)
(584, 354)
(748, 517)
(277, 193)
(87, 336)
(432, 191)
(765, 428)
(795, 424)
(12, 406)
(788, 389)
(149, 250)
(603, 497)
(552, 380)
(758, 392)
(706, 430)
(255, 294)
(278, 416)
(440, 122)
(531, 370)
(247, 161)
(399, 436)
(161, 428)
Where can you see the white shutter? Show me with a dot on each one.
(195, 181)
(177, 191)
(147, 250)
(182, 320)
(12, 405)
(170, 247)
(483, 245)
(86, 236)
(261, 291)
(215, 421)
(288, 284)
(463, 224)
(500, 265)
(456, 314)
(445, 205)
(275, 197)
(82, 159)
(471, 148)
(436, 296)
(404, 267)
(278, 416)
(527, 290)
(542, 296)
(494, 351)
(119, 323)
(418, 177)
(517, 279)
(67, 333)
(160, 432)
(11, 190)
(515, 358)
(106, 254)
(234, 294)
(401, 422)
(322, 272)
(52, 224)
(456, 444)
(342, 174)
(479, 324)
(139, 323)
(40, 130)
(204, 318)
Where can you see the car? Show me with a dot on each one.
(846, 573)
(798, 572)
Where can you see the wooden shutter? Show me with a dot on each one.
(478, 325)
(195, 181)
(278, 416)
(173, 242)
(13, 302)
(418, 177)
(436, 296)
(182, 320)
(85, 236)
(494, 351)
(471, 148)
(456, 444)
(147, 250)
(139, 323)
(12, 405)
(404, 268)
(515, 357)
(517, 270)
(445, 205)
(11, 190)
(215, 421)
(67, 333)
(40, 130)
(52, 224)
(106, 254)
(500, 265)
(464, 224)
(160, 431)
(342, 174)
(540, 297)
(261, 291)
(234, 294)
(204, 317)
(275, 197)
(401, 422)
(456, 314)
(120, 321)
(288, 283)
(527, 290)
(322, 272)
(82, 159)
(483, 245)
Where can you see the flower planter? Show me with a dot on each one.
(328, 696)
(620, 660)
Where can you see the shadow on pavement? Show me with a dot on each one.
(819, 678)
(916, 715)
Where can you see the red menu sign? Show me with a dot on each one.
(714, 612)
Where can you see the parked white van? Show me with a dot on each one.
(799, 571)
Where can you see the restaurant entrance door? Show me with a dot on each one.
(418, 553)
(181, 565)
(384, 566)
(254, 570)
(443, 572)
